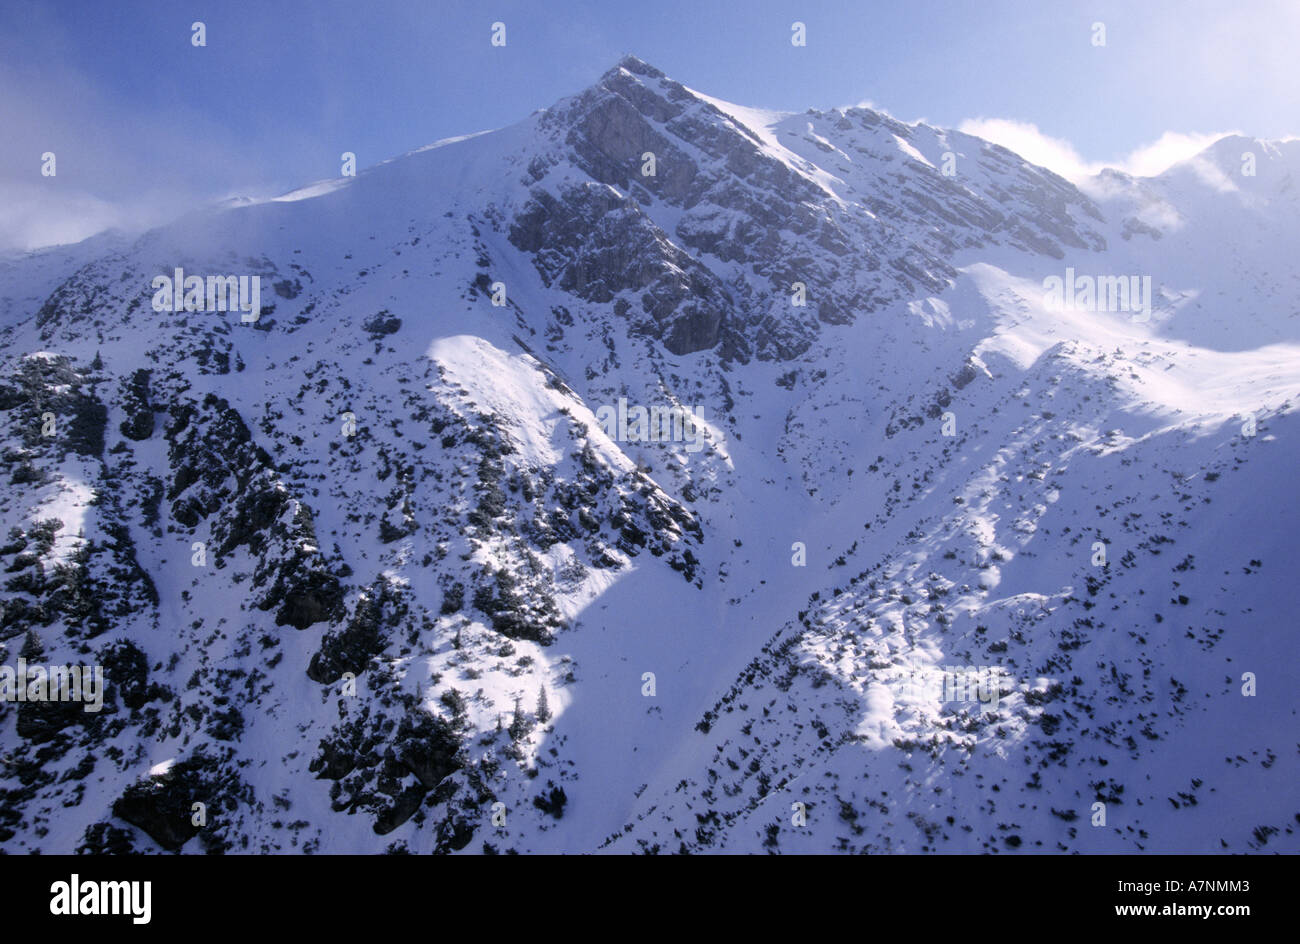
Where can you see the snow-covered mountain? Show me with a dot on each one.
(935, 562)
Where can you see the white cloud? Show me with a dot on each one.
(1026, 140)
(35, 217)
(1170, 148)
(120, 164)
(1060, 156)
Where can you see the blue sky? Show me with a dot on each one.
(144, 125)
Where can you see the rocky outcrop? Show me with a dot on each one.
(351, 648)
(218, 472)
(163, 805)
(600, 246)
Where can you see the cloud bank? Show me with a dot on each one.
(1060, 156)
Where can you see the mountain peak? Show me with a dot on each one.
(636, 66)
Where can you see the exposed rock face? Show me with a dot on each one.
(163, 805)
(391, 782)
(598, 245)
(352, 648)
(221, 474)
(752, 218)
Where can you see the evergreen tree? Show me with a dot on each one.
(543, 709)
(32, 649)
(519, 727)
(454, 702)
